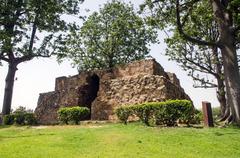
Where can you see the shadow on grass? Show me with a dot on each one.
(26, 136)
(4, 126)
(219, 134)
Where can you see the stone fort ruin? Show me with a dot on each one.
(104, 90)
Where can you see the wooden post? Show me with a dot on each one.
(207, 114)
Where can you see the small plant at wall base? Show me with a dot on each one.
(159, 113)
(63, 115)
(123, 113)
(73, 114)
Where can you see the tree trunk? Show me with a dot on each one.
(232, 81)
(221, 94)
(9, 83)
(228, 50)
(227, 117)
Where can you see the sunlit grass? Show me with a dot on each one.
(116, 140)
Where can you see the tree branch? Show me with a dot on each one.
(204, 84)
(197, 64)
(4, 59)
(187, 37)
(33, 35)
(30, 56)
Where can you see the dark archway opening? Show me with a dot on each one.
(88, 93)
(93, 82)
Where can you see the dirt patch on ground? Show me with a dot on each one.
(92, 126)
(40, 127)
(88, 125)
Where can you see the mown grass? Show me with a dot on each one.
(116, 140)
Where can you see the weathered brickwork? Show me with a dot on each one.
(104, 90)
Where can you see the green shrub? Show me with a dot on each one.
(123, 113)
(197, 117)
(30, 119)
(78, 113)
(19, 118)
(63, 115)
(166, 114)
(142, 111)
(74, 114)
(22, 116)
(20, 109)
(162, 113)
(152, 121)
(8, 119)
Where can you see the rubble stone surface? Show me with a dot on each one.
(104, 90)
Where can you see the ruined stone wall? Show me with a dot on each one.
(144, 67)
(131, 90)
(47, 103)
(72, 91)
(104, 90)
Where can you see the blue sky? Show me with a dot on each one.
(38, 76)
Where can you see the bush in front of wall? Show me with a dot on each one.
(197, 117)
(143, 111)
(170, 111)
(30, 119)
(78, 113)
(123, 114)
(19, 118)
(74, 114)
(159, 113)
(63, 115)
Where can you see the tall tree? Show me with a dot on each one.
(29, 29)
(203, 63)
(226, 14)
(114, 35)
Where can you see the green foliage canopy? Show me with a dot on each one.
(114, 35)
(198, 60)
(200, 30)
(30, 28)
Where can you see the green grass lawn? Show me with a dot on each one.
(116, 140)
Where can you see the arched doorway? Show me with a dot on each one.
(93, 87)
(88, 93)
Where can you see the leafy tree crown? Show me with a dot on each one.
(114, 35)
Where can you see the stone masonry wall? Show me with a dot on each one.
(104, 90)
(131, 90)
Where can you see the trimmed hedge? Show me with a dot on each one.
(8, 119)
(197, 117)
(74, 114)
(30, 119)
(123, 113)
(20, 119)
(159, 113)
